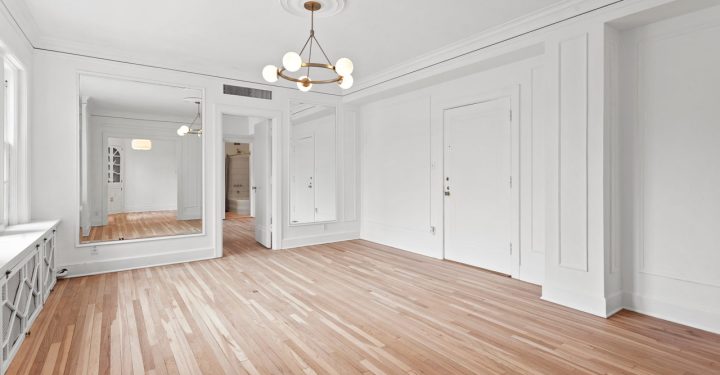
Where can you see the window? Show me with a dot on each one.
(9, 129)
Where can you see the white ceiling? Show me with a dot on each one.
(112, 96)
(245, 35)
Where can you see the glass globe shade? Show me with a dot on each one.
(269, 73)
(183, 130)
(301, 86)
(347, 82)
(292, 62)
(344, 67)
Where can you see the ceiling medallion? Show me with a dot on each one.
(328, 8)
(293, 62)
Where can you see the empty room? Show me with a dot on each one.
(360, 187)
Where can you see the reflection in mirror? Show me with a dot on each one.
(140, 175)
(312, 164)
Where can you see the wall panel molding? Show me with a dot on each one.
(573, 153)
(537, 169)
(644, 45)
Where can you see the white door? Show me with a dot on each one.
(115, 174)
(261, 169)
(303, 186)
(478, 209)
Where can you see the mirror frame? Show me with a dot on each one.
(78, 155)
(336, 165)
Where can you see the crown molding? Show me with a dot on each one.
(19, 11)
(189, 65)
(511, 29)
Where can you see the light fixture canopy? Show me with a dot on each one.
(293, 62)
(191, 129)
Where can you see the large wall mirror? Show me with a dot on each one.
(140, 160)
(312, 164)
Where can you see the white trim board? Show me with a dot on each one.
(124, 264)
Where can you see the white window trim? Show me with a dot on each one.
(4, 217)
(16, 209)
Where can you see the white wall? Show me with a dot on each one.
(570, 169)
(402, 150)
(55, 134)
(151, 180)
(670, 169)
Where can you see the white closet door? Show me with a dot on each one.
(303, 180)
(478, 221)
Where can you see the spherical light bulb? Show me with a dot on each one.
(347, 82)
(304, 85)
(183, 130)
(269, 73)
(292, 62)
(344, 67)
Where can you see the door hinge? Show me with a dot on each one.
(510, 247)
(511, 182)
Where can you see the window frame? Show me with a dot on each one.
(10, 125)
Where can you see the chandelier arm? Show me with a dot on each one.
(197, 116)
(305, 45)
(322, 50)
(310, 56)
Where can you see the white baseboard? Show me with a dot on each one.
(614, 303)
(124, 264)
(290, 243)
(595, 305)
(137, 209)
(418, 242)
(705, 320)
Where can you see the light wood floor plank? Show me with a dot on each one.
(343, 308)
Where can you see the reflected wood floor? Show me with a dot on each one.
(343, 308)
(134, 225)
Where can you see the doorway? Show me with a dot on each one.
(116, 170)
(247, 199)
(478, 191)
(238, 180)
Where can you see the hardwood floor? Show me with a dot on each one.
(134, 225)
(344, 308)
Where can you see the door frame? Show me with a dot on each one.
(512, 93)
(276, 119)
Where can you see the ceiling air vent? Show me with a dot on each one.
(247, 91)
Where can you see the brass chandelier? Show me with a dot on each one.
(293, 62)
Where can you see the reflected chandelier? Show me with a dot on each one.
(185, 129)
(293, 62)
